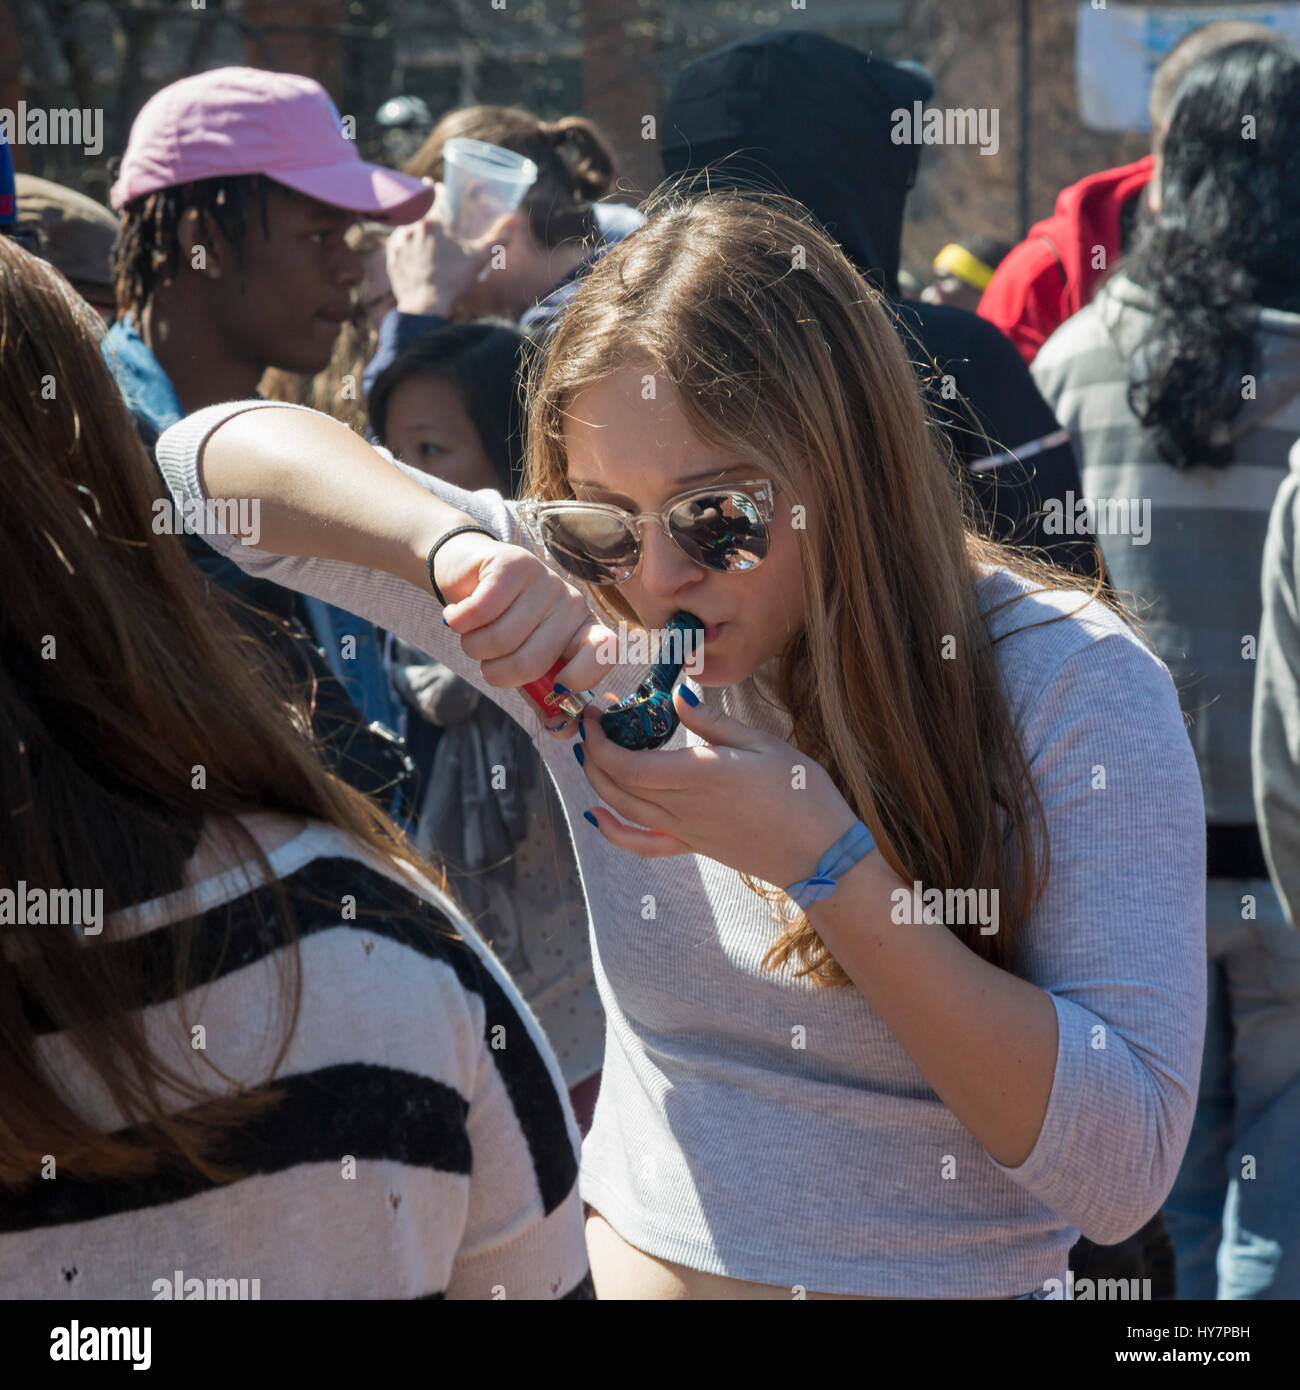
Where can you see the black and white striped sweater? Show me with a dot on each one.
(423, 1145)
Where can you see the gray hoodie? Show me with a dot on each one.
(1186, 544)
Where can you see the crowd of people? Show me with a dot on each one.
(947, 949)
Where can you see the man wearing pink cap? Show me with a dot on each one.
(236, 189)
(235, 193)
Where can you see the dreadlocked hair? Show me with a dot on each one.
(146, 251)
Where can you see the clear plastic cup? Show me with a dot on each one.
(483, 183)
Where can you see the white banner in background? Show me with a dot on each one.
(1118, 47)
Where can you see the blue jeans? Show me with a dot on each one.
(1234, 1212)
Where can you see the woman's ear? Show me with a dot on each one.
(197, 240)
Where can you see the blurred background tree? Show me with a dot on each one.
(609, 59)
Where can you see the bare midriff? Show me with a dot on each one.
(620, 1270)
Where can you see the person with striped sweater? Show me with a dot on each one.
(244, 1036)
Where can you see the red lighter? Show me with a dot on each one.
(542, 693)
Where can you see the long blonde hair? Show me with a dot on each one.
(782, 352)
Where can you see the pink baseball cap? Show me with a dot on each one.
(247, 121)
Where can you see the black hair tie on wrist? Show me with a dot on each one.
(442, 540)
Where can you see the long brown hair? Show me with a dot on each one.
(119, 680)
(781, 351)
(574, 164)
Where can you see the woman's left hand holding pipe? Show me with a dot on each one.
(747, 800)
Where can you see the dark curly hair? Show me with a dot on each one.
(1224, 240)
(146, 250)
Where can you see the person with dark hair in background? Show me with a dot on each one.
(962, 271)
(1066, 258)
(812, 118)
(1180, 385)
(236, 1077)
(557, 233)
(236, 192)
(563, 227)
(450, 404)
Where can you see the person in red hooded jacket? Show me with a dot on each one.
(1067, 257)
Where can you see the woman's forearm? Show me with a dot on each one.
(321, 490)
(984, 1039)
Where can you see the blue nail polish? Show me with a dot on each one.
(688, 695)
(577, 753)
(445, 623)
(555, 728)
(560, 689)
(582, 732)
(586, 815)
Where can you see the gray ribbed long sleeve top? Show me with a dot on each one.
(720, 1145)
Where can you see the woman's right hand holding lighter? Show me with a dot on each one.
(516, 617)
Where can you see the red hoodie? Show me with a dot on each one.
(1051, 274)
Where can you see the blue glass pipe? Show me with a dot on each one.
(647, 718)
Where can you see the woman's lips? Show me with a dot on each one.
(711, 631)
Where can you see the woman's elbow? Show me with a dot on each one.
(1137, 1190)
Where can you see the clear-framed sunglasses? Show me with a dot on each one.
(723, 527)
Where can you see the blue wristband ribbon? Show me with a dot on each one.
(855, 844)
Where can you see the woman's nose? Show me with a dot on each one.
(664, 567)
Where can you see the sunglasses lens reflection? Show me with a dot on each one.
(593, 547)
(723, 532)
